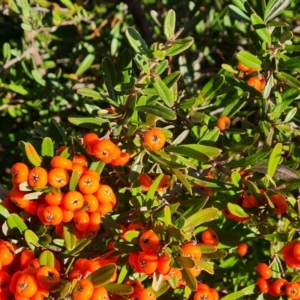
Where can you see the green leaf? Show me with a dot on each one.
(185, 261)
(198, 152)
(158, 110)
(87, 122)
(79, 247)
(189, 278)
(66, 291)
(110, 77)
(47, 258)
(291, 63)
(275, 158)
(47, 147)
(89, 93)
(179, 46)
(124, 68)
(169, 24)
(274, 8)
(38, 77)
(124, 87)
(260, 28)
(142, 62)
(58, 131)
(206, 266)
(18, 89)
(239, 13)
(237, 210)
(69, 235)
(209, 90)
(288, 80)
(153, 187)
(282, 172)
(73, 181)
(183, 180)
(249, 60)
(136, 41)
(163, 91)
(199, 218)
(15, 222)
(235, 106)
(4, 211)
(31, 239)
(119, 289)
(220, 253)
(85, 64)
(229, 69)
(250, 289)
(126, 247)
(103, 275)
(31, 154)
(165, 162)
(249, 160)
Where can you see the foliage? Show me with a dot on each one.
(81, 68)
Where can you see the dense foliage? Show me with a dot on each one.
(150, 149)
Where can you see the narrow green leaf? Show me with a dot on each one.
(126, 247)
(80, 246)
(249, 160)
(38, 77)
(291, 63)
(164, 162)
(47, 258)
(274, 160)
(179, 46)
(47, 147)
(103, 275)
(18, 89)
(73, 181)
(163, 91)
(169, 24)
(167, 215)
(183, 180)
(153, 187)
(199, 218)
(85, 64)
(87, 122)
(119, 289)
(198, 152)
(249, 60)
(220, 253)
(109, 75)
(124, 87)
(158, 110)
(136, 41)
(69, 235)
(66, 291)
(89, 93)
(238, 13)
(235, 106)
(190, 280)
(274, 8)
(124, 68)
(260, 28)
(289, 80)
(31, 239)
(58, 131)
(31, 154)
(210, 88)
(240, 294)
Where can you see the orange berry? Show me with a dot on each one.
(155, 139)
(223, 123)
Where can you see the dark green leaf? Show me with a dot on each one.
(239, 13)
(119, 289)
(103, 275)
(288, 80)
(163, 91)
(158, 110)
(274, 159)
(110, 77)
